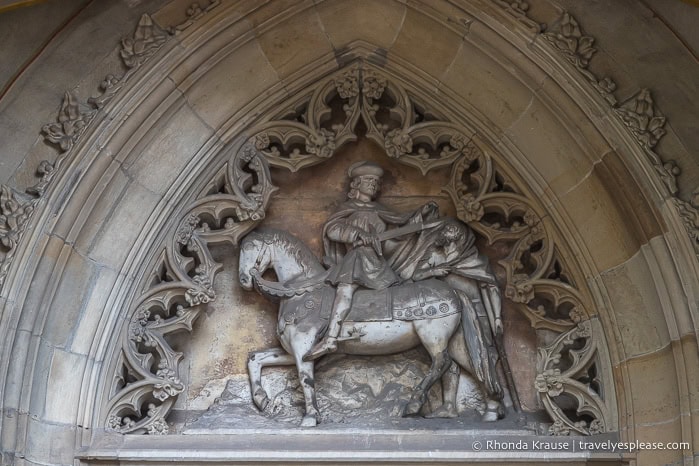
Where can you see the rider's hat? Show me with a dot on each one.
(364, 168)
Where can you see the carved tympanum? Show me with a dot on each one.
(538, 278)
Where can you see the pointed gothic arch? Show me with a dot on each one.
(155, 144)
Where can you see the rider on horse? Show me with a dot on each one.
(353, 248)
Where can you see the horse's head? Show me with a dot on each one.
(254, 259)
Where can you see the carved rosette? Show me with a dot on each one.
(147, 378)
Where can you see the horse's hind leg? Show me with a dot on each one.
(458, 351)
(450, 386)
(440, 363)
(256, 361)
(434, 335)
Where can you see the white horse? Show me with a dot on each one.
(432, 319)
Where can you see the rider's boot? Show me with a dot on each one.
(341, 307)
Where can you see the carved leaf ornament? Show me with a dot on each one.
(147, 380)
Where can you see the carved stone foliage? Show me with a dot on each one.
(689, 213)
(540, 281)
(644, 120)
(518, 9)
(15, 211)
(317, 125)
(538, 278)
(195, 11)
(639, 113)
(70, 123)
(147, 380)
(566, 35)
(147, 38)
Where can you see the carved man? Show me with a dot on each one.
(353, 249)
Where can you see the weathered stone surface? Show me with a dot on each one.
(231, 84)
(488, 86)
(118, 234)
(596, 215)
(377, 23)
(554, 152)
(610, 219)
(80, 273)
(421, 36)
(658, 401)
(637, 308)
(83, 339)
(293, 44)
(169, 151)
(64, 394)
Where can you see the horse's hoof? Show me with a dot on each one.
(443, 412)
(493, 412)
(309, 421)
(260, 399)
(412, 408)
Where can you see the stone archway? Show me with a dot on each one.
(155, 144)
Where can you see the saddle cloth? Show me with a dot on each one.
(413, 301)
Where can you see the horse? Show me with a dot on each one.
(426, 313)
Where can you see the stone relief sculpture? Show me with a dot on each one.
(539, 278)
(386, 298)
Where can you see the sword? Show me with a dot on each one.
(407, 229)
(400, 231)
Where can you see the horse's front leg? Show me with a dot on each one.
(256, 361)
(300, 344)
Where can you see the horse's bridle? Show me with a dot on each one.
(255, 270)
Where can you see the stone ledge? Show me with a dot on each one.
(339, 447)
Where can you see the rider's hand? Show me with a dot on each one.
(367, 239)
(430, 208)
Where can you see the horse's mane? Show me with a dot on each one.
(289, 244)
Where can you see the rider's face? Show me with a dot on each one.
(369, 185)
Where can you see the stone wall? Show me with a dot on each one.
(187, 100)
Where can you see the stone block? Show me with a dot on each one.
(87, 330)
(665, 432)
(99, 206)
(76, 280)
(257, 14)
(119, 233)
(496, 94)
(690, 352)
(49, 443)
(40, 283)
(550, 148)
(636, 306)
(295, 43)
(231, 83)
(374, 21)
(646, 222)
(654, 393)
(175, 143)
(63, 389)
(421, 36)
(602, 227)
